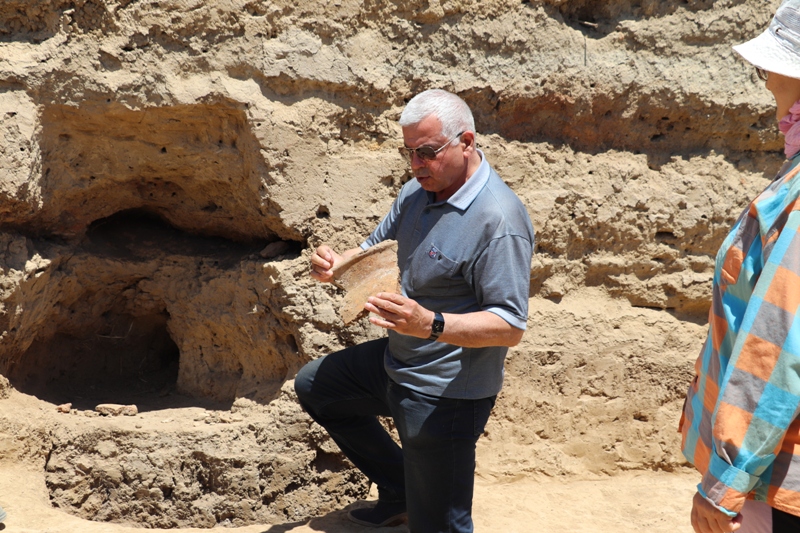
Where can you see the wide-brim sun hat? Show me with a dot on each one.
(778, 48)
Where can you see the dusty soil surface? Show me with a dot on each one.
(168, 166)
(630, 501)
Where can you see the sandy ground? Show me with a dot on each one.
(629, 502)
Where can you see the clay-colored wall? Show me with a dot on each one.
(629, 128)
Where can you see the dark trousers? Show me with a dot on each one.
(434, 471)
(783, 522)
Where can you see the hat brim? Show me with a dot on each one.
(766, 52)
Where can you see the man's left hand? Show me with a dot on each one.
(399, 313)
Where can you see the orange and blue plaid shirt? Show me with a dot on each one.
(740, 422)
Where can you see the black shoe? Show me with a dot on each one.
(381, 515)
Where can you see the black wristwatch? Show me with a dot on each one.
(437, 327)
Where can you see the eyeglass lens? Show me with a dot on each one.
(425, 153)
(762, 74)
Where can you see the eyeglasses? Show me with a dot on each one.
(762, 74)
(426, 153)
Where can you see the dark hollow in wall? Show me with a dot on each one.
(119, 358)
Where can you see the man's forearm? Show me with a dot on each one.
(470, 330)
(478, 330)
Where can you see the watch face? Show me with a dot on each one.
(438, 325)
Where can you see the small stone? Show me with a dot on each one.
(242, 403)
(64, 408)
(5, 386)
(115, 409)
(274, 249)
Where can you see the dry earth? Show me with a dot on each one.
(168, 166)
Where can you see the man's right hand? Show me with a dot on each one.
(325, 258)
(322, 263)
(708, 519)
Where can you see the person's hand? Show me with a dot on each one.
(322, 263)
(708, 519)
(400, 314)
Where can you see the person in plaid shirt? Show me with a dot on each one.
(740, 423)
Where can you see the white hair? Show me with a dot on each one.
(453, 112)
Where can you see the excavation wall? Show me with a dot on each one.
(168, 166)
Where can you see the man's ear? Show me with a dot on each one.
(468, 138)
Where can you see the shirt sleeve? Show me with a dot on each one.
(502, 277)
(759, 395)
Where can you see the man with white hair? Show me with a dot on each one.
(465, 243)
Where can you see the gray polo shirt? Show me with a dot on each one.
(469, 253)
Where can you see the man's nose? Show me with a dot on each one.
(417, 161)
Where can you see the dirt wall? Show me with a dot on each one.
(168, 167)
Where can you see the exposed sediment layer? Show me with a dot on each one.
(153, 149)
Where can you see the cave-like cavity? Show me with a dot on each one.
(148, 231)
(115, 357)
(108, 337)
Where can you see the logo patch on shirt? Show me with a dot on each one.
(433, 252)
